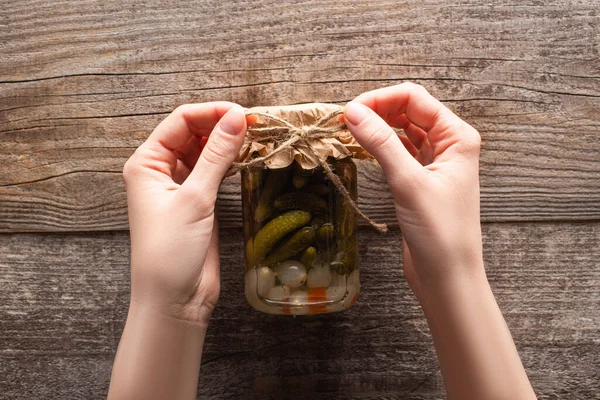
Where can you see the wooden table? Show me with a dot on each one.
(82, 83)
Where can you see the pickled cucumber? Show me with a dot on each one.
(291, 246)
(308, 256)
(345, 260)
(325, 237)
(275, 182)
(300, 228)
(317, 221)
(346, 170)
(248, 199)
(344, 263)
(301, 201)
(301, 176)
(345, 217)
(253, 178)
(299, 181)
(317, 188)
(249, 255)
(276, 229)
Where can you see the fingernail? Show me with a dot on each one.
(355, 113)
(232, 122)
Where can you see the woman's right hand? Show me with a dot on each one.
(433, 174)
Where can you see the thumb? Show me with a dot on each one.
(379, 139)
(218, 154)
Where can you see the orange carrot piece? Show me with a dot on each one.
(317, 295)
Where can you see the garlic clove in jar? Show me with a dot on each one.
(319, 276)
(279, 293)
(265, 280)
(291, 273)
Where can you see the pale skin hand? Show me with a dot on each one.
(433, 173)
(172, 188)
(172, 182)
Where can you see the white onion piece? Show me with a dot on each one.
(318, 276)
(338, 280)
(335, 293)
(291, 273)
(278, 293)
(266, 280)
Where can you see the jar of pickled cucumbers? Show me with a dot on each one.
(300, 235)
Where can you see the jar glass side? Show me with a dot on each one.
(301, 245)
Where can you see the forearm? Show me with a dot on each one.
(158, 357)
(477, 355)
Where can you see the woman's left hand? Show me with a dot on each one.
(172, 181)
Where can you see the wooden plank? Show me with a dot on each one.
(64, 299)
(82, 84)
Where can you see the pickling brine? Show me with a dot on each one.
(300, 234)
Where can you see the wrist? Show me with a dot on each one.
(161, 302)
(158, 357)
(473, 342)
(166, 314)
(453, 293)
(439, 291)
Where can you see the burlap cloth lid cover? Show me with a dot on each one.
(302, 132)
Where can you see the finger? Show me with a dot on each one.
(182, 171)
(409, 146)
(416, 135)
(190, 153)
(218, 154)
(156, 159)
(420, 107)
(188, 120)
(444, 128)
(379, 139)
(192, 150)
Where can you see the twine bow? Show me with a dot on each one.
(288, 135)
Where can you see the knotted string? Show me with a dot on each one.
(292, 135)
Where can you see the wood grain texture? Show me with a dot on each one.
(83, 83)
(64, 299)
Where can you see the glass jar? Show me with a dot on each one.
(301, 244)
